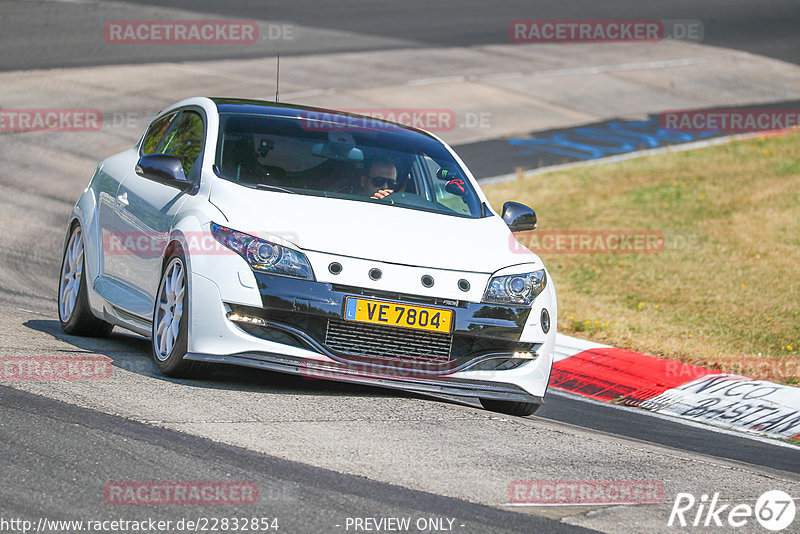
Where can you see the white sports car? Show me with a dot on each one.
(314, 242)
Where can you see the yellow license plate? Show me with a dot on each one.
(398, 314)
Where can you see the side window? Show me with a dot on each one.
(454, 202)
(156, 133)
(185, 140)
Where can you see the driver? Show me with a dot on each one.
(380, 179)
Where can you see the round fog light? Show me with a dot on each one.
(545, 321)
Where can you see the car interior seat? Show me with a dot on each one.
(239, 160)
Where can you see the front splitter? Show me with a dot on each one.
(330, 371)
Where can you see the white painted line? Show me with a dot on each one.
(648, 65)
(567, 346)
(502, 76)
(575, 504)
(440, 79)
(309, 93)
(578, 71)
(31, 311)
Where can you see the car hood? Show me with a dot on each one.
(370, 230)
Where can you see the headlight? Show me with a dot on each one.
(515, 288)
(264, 255)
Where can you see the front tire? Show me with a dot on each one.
(510, 407)
(171, 319)
(74, 313)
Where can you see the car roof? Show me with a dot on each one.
(267, 108)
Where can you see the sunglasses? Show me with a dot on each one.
(379, 181)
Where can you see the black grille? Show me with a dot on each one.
(375, 341)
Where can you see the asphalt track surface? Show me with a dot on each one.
(60, 36)
(57, 456)
(767, 27)
(636, 424)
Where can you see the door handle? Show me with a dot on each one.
(122, 200)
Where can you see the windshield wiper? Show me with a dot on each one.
(267, 187)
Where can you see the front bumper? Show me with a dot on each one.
(296, 313)
(308, 312)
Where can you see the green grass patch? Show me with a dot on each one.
(725, 290)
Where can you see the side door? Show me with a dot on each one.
(148, 208)
(115, 244)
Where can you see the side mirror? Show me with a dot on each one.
(519, 217)
(165, 169)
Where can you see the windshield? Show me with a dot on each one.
(383, 164)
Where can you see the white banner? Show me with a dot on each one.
(734, 402)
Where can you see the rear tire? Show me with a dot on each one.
(74, 313)
(510, 407)
(170, 336)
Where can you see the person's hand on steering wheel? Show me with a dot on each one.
(382, 193)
